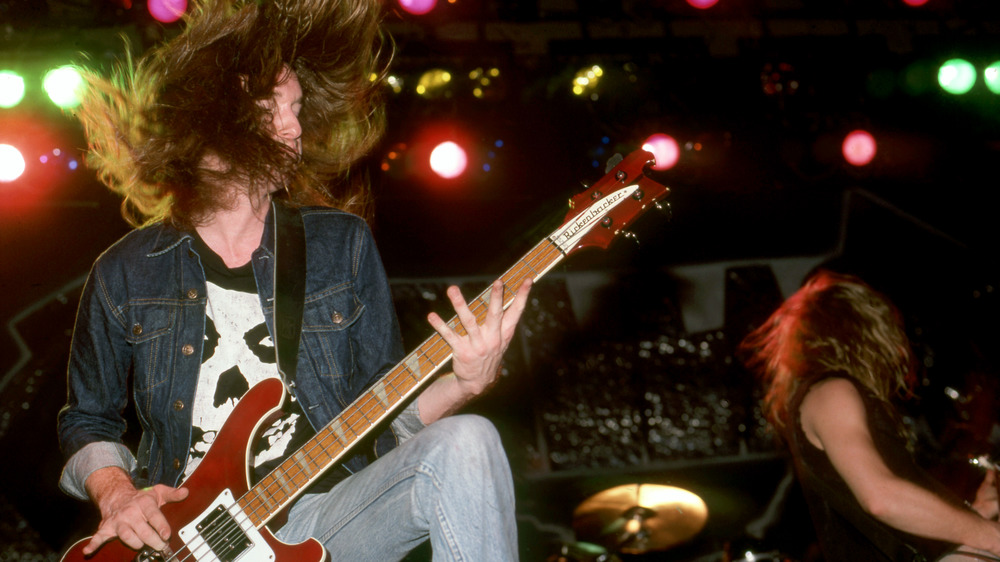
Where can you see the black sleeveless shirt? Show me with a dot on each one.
(845, 530)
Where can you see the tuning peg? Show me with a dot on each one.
(665, 208)
(612, 162)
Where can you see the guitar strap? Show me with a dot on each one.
(289, 287)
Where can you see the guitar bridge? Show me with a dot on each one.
(223, 533)
(149, 555)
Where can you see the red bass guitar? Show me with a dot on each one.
(224, 519)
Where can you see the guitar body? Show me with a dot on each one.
(224, 468)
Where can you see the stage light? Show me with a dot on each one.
(919, 78)
(167, 11)
(448, 160)
(484, 82)
(395, 83)
(957, 76)
(63, 85)
(665, 149)
(778, 79)
(859, 147)
(586, 80)
(11, 163)
(11, 88)
(32, 165)
(491, 155)
(992, 77)
(417, 7)
(440, 152)
(915, 2)
(434, 83)
(702, 4)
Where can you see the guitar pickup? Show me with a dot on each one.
(223, 533)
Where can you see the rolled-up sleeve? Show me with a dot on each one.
(89, 459)
(91, 424)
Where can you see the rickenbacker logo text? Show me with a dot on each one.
(595, 212)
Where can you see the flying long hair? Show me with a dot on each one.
(832, 323)
(205, 94)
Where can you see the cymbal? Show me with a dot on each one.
(637, 518)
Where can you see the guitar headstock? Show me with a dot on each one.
(613, 203)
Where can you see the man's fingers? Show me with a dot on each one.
(496, 300)
(135, 539)
(442, 328)
(130, 538)
(498, 323)
(140, 523)
(513, 314)
(158, 523)
(166, 494)
(99, 538)
(465, 315)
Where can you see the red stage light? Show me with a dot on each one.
(859, 147)
(440, 152)
(448, 160)
(46, 165)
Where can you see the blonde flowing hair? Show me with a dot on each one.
(205, 93)
(833, 322)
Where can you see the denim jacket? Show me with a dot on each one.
(142, 317)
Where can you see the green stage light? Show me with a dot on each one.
(11, 88)
(992, 75)
(957, 76)
(63, 85)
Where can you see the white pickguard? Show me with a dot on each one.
(200, 542)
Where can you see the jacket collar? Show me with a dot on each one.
(170, 237)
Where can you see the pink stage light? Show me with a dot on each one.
(859, 147)
(167, 11)
(703, 4)
(665, 149)
(417, 7)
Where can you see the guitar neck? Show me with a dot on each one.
(596, 216)
(382, 400)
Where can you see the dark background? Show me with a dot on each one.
(623, 371)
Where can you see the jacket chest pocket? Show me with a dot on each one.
(149, 331)
(327, 320)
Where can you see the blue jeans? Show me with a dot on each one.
(450, 483)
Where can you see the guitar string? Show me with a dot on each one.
(232, 527)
